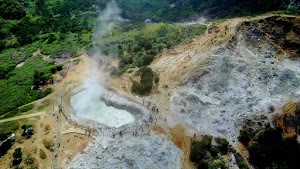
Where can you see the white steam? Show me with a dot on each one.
(105, 23)
(88, 104)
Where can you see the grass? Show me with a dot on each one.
(43, 154)
(138, 45)
(11, 126)
(44, 105)
(293, 11)
(65, 43)
(26, 108)
(48, 143)
(17, 111)
(16, 90)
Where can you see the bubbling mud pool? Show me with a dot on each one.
(94, 108)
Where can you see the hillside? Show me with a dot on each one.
(186, 84)
(222, 82)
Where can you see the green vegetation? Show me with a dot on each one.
(172, 10)
(138, 46)
(28, 130)
(17, 157)
(16, 90)
(271, 150)
(240, 161)
(11, 126)
(292, 11)
(145, 85)
(29, 160)
(63, 28)
(43, 154)
(17, 111)
(6, 129)
(44, 105)
(48, 143)
(218, 164)
(204, 155)
(47, 128)
(222, 145)
(26, 108)
(244, 137)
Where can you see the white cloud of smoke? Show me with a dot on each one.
(105, 24)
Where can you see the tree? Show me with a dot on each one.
(222, 144)
(244, 137)
(5, 145)
(17, 157)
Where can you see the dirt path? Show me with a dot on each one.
(23, 116)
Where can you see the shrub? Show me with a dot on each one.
(29, 160)
(43, 154)
(199, 149)
(222, 144)
(26, 126)
(156, 79)
(48, 143)
(214, 151)
(5, 146)
(219, 164)
(28, 131)
(240, 161)
(47, 128)
(244, 137)
(59, 67)
(146, 82)
(17, 157)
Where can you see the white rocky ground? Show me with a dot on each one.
(148, 152)
(234, 83)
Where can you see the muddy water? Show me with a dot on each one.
(95, 109)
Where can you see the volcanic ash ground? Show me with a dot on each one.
(142, 152)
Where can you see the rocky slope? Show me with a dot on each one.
(220, 89)
(142, 152)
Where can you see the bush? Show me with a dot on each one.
(48, 143)
(17, 157)
(199, 149)
(29, 160)
(26, 126)
(59, 67)
(43, 154)
(273, 150)
(28, 131)
(240, 161)
(222, 144)
(244, 137)
(214, 151)
(156, 79)
(146, 82)
(53, 69)
(219, 164)
(47, 128)
(5, 145)
(17, 153)
(137, 47)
